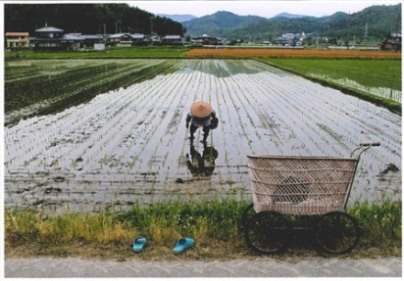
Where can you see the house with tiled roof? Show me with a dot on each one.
(391, 44)
(53, 38)
(16, 40)
(172, 40)
(128, 39)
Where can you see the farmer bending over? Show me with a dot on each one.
(201, 115)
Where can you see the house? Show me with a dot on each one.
(71, 41)
(282, 41)
(196, 41)
(171, 40)
(53, 38)
(16, 40)
(120, 40)
(139, 39)
(48, 37)
(88, 40)
(127, 39)
(291, 39)
(392, 44)
(207, 40)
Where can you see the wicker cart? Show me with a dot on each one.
(287, 186)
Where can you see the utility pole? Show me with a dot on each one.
(366, 31)
(349, 17)
(151, 30)
(105, 34)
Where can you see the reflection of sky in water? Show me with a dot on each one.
(133, 143)
(231, 67)
(394, 95)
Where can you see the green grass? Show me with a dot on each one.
(110, 53)
(215, 226)
(368, 72)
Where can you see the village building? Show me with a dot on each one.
(139, 39)
(207, 40)
(48, 37)
(291, 39)
(53, 38)
(172, 40)
(89, 40)
(17, 40)
(71, 41)
(392, 44)
(128, 40)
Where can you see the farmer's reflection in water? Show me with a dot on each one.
(202, 165)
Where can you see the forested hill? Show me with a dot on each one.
(87, 18)
(376, 21)
(219, 23)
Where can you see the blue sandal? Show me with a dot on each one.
(139, 243)
(183, 244)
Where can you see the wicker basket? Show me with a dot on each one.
(300, 185)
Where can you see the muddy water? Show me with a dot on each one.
(131, 146)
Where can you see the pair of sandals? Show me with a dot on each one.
(140, 242)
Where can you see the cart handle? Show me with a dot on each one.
(370, 144)
(364, 146)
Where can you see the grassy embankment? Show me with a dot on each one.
(110, 53)
(215, 227)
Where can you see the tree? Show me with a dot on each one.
(86, 18)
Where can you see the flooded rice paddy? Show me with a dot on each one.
(391, 94)
(131, 145)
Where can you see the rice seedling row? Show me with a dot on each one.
(51, 94)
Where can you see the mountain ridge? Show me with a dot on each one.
(178, 17)
(378, 20)
(218, 23)
(289, 16)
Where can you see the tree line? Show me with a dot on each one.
(87, 19)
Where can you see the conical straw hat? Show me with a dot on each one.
(201, 109)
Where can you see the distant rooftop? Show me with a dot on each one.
(17, 34)
(172, 37)
(49, 29)
(134, 35)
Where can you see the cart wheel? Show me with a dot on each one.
(337, 233)
(267, 232)
(248, 213)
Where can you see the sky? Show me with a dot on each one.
(263, 8)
